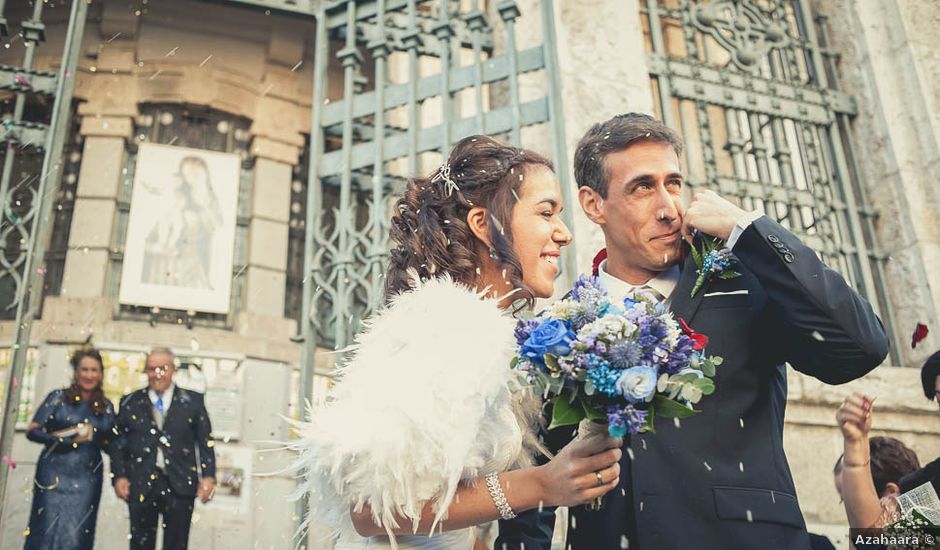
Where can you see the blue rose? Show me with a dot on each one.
(637, 384)
(551, 336)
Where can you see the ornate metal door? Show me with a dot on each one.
(751, 86)
(366, 141)
(27, 204)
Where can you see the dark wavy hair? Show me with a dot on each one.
(890, 461)
(430, 226)
(73, 394)
(928, 375)
(613, 136)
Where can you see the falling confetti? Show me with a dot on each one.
(707, 467)
(919, 334)
(817, 336)
(21, 80)
(750, 517)
(9, 462)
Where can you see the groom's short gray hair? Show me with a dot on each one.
(614, 135)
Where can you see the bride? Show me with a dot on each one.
(427, 434)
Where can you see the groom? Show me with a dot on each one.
(719, 479)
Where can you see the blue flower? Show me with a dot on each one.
(551, 336)
(524, 329)
(624, 354)
(604, 379)
(637, 384)
(621, 421)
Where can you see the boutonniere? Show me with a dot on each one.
(713, 260)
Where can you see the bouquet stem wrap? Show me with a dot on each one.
(588, 428)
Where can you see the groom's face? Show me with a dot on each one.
(642, 214)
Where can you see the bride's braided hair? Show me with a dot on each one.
(429, 227)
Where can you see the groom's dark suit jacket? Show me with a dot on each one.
(186, 436)
(720, 479)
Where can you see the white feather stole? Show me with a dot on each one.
(426, 400)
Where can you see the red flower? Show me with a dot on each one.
(700, 339)
(601, 256)
(919, 334)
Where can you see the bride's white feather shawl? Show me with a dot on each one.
(424, 401)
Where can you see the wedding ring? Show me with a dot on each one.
(600, 480)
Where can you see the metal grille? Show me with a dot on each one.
(379, 128)
(199, 128)
(751, 87)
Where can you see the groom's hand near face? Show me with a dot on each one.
(711, 214)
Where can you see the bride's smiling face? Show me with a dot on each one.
(538, 232)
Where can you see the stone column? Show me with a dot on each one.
(87, 261)
(603, 73)
(265, 272)
(888, 62)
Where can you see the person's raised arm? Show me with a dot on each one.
(862, 505)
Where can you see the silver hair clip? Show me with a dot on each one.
(444, 175)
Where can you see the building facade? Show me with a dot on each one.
(308, 116)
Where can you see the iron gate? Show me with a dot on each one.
(751, 86)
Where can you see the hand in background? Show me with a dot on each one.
(206, 489)
(86, 433)
(854, 417)
(122, 488)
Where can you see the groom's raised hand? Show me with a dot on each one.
(711, 214)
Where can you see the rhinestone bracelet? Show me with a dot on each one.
(499, 498)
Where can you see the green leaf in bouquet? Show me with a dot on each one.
(671, 409)
(514, 362)
(551, 362)
(729, 275)
(650, 416)
(717, 361)
(708, 368)
(564, 413)
(691, 393)
(591, 413)
(696, 256)
(705, 385)
(588, 387)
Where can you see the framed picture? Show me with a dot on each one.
(181, 229)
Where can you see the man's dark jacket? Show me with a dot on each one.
(720, 479)
(185, 439)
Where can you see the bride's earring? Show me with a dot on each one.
(493, 253)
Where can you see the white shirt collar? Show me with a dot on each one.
(167, 396)
(618, 289)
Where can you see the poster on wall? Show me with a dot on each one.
(233, 471)
(181, 229)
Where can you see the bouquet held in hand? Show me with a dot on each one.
(616, 363)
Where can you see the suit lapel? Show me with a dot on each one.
(683, 304)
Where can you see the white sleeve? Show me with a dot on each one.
(740, 226)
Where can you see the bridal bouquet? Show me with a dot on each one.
(621, 364)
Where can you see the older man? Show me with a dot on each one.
(163, 457)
